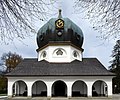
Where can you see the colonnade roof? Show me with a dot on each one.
(87, 67)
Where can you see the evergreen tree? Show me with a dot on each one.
(115, 67)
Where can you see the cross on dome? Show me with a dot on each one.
(60, 15)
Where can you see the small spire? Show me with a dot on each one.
(60, 16)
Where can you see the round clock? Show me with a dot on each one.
(59, 23)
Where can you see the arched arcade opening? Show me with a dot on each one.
(19, 88)
(79, 89)
(99, 88)
(59, 89)
(39, 88)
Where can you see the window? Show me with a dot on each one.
(75, 54)
(43, 54)
(59, 52)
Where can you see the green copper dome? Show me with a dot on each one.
(69, 32)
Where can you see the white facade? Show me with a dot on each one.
(85, 86)
(69, 81)
(60, 53)
(64, 51)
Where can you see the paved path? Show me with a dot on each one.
(115, 97)
(3, 97)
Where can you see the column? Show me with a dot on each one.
(10, 84)
(89, 90)
(29, 85)
(15, 92)
(109, 90)
(69, 90)
(49, 89)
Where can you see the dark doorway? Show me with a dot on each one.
(99, 88)
(79, 89)
(19, 88)
(39, 89)
(59, 89)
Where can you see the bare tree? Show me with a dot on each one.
(17, 17)
(11, 60)
(103, 14)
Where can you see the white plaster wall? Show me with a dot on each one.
(66, 57)
(68, 80)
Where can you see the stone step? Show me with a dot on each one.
(63, 98)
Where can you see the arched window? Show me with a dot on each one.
(19, 88)
(59, 52)
(43, 55)
(59, 88)
(79, 89)
(76, 54)
(39, 88)
(99, 88)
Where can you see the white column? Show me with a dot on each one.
(15, 88)
(29, 86)
(10, 84)
(89, 89)
(109, 84)
(69, 89)
(49, 89)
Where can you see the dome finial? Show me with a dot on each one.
(60, 16)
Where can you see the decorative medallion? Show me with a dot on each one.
(59, 24)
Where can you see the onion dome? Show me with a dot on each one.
(59, 30)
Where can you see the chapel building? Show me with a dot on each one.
(60, 69)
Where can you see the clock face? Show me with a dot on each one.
(59, 24)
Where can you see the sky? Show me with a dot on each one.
(93, 47)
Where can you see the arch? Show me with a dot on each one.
(59, 52)
(76, 54)
(59, 88)
(19, 88)
(99, 88)
(43, 55)
(79, 89)
(39, 88)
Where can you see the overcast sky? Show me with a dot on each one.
(93, 47)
